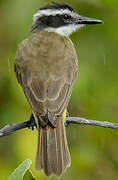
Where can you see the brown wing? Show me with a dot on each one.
(48, 90)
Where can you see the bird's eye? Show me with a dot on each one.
(66, 16)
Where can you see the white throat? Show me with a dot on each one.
(64, 30)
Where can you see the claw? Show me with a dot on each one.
(32, 122)
(67, 124)
(67, 114)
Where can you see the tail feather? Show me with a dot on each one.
(45, 145)
(39, 159)
(59, 144)
(66, 153)
(52, 154)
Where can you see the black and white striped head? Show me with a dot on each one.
(60, 18)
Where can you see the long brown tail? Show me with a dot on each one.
(52, 154)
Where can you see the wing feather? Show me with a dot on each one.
(54, 89)
(54, 105)
(39, 89)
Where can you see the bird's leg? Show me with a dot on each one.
(32, 122)
(67, 123)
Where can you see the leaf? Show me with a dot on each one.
(20, 171)
(28, 176)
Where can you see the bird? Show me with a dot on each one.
(46, 67)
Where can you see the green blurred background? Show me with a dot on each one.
(94, 150)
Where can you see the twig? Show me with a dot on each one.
(11, 128)
(84, 121)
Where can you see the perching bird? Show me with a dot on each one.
(46, 67)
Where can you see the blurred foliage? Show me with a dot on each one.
(21, 171)
(95, 94)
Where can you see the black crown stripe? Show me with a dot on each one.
(57, 6)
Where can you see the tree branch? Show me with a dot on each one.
(11, 128)
(84, 121)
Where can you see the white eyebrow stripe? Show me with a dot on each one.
(50, 12)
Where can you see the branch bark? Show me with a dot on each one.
(84, 121)
(11, 128)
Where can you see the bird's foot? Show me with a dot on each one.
(32, 122)
(67, 114)
(67, 123)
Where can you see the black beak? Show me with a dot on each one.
(85, 20)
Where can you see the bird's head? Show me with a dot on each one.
(60, 18)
